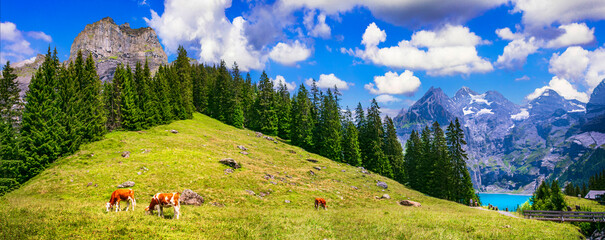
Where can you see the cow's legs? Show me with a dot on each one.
(177, 211)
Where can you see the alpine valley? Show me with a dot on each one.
(512, 148)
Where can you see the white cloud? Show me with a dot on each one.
(507, 34)
(516, 52)
(279, 79)
(40, 35)
(385, 98)
(393, 83)
(539, 13)
(202, 25)
(329, 81)
(579, 65)
(571, 64)
(14, 45)
(523, 44)
(373, 35)
(573, 34)
(319, 28)
(289, 54)
(524, 78)
(406, 12)
(9, 32)
(447, 53)
(563, 88)
(449, 36)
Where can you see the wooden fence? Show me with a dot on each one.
(565, 216)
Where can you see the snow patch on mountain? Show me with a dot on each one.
(468, 110)
(480, 98)
(484, 111)
(524, 114)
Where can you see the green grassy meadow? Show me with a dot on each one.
(59, 203)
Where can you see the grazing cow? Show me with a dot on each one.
(162, 200)
(121, 195)
(320, 202)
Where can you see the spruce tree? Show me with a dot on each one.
(426, 163)
(329, 128)
(10, 104)
(10, 112)
(392, 149)
(163, 91)
(373, 156)
(40, 129)
(183, 88)
(130, 110)
(462, 184)
(412, 158)
(247, 99)
(301, 132)
(442, 184)
(284, 107)
(350, 141)
(70, 103)
(265, 107)
(93, 113)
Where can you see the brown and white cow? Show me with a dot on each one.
(121, 195)
(162, 200)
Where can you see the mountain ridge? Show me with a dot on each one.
(511, 147)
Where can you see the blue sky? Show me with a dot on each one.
(390, 50)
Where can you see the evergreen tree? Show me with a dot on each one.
(426, 162)
(163, 91)
(350, 141)
(150, 106)
(442, 183)
(265, 107)
(10, 112)
(284, 107)
(93, 114)
(315, 108)
(372, 154)
(301, 132)
(412, 160)
(247, 99)
(462, 184)
(329, 128)
(360, 123)
(70, 103)
(183, 88)
(393, 151)
(130, 110)
(10, 104)
(40, 139)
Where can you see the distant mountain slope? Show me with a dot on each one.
(595, 110)
(512, 147)
(270, 197)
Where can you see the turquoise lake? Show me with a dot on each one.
(503, 200)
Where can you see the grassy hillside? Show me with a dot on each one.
(59, 203)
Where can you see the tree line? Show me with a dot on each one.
(435, 163)
(595, 182)
(67, 106)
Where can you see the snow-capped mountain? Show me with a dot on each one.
(510, 147)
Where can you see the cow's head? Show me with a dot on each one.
(108, 206)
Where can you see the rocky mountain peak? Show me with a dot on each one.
(111, 45)
(595, 110)
(463, 93)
